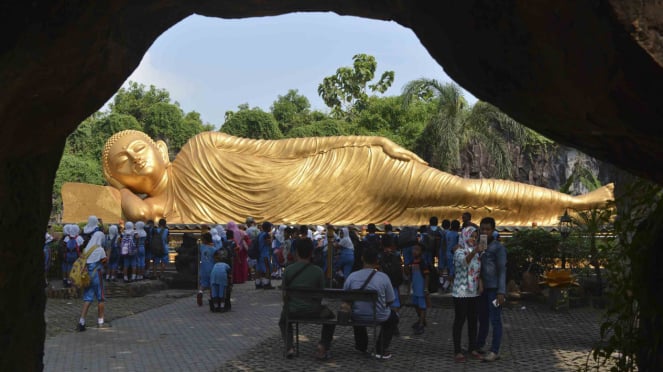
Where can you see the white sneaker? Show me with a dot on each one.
(385, 356)
(491, 357)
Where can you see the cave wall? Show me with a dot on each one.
(586, 74)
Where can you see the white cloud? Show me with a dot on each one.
(150, 73)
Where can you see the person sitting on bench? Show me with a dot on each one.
(303, 274)
(370, 279)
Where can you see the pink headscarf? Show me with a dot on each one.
(238, 235)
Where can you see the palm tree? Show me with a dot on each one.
(496, 131)
(454, 126)
(440, 142)
(590, 223)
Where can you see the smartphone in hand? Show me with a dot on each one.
(483, 242)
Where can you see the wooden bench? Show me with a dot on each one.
(336, 295)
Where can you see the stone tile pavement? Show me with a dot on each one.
(167, 331)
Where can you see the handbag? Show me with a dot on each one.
(345, 310)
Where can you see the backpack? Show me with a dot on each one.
(72, 246)
(79, 275)
(156, 242)
(229, 246)
(86, 236)
(254, 249)
(373, 241)
(128, 246)
(432, 240)
(407, 237)
(226, 253)
(390, 264)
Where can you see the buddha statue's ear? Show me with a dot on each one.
(163, 149)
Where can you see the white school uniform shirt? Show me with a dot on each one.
(96, 256)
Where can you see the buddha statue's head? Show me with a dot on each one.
(133, 160)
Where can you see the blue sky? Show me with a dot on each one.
(211, 65)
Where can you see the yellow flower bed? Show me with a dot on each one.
(558, 278)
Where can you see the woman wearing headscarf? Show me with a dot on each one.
(240, 264)
(222, 233)
(346, 258)
(129, 260)
(141, 237)
(89, 229)
(113, 251)
(466, 290)
(96, 257)
(216, 238)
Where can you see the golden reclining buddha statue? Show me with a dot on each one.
(217, 177)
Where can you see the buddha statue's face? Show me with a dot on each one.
(137, 162)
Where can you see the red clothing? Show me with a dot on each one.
(241, 266)
(240, 262)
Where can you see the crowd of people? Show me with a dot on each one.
(463, 258)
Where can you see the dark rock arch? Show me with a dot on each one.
(586, 74)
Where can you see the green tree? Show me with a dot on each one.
(591, 223)
(387, 117)
(291, 110)
(133, 107)
(531, 250)
(167, 122)
(135, 100)
(74, 168)
(454, 125)
(495, 131)
(445, 133)
(345, 92)
(251, 123)
(322, 128)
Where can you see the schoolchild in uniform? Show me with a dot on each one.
(73, 243)
(206, 264)
(220, 276)
(129, 260)
(141, 238)
(95, 289)
(160, 262)
(419, 271)
(113, 252)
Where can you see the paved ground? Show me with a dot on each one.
(166, 330)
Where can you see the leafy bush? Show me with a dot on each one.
(531, 250)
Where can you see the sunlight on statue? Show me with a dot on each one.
(216, 178)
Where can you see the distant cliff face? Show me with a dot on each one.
(549, 166)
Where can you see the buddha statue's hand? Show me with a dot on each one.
(398, 152)
(115, 183)
(133, 207)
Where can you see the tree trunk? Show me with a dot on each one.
(25, 202)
